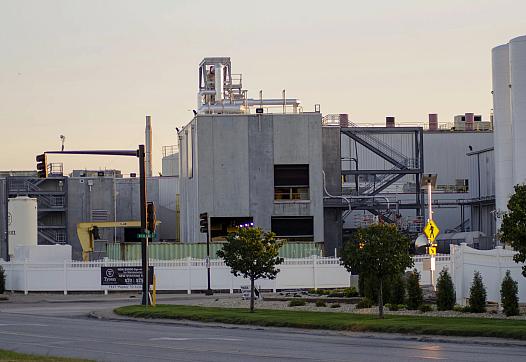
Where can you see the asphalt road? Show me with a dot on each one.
(62, 329)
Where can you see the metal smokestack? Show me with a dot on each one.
(389, 121)
(148, 146)
(470, 121)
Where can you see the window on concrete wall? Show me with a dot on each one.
(221, 226)
(293, 228)
(291, 182)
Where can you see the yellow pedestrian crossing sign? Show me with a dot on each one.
(431, 230)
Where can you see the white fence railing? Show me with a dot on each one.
(314, 272)
(172, 275)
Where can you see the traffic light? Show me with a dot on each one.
(42, 165)
(203, 222)
(151, 217)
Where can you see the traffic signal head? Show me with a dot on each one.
(203, 222)
(151, 217)
(42, 165)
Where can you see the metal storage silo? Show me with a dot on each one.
(502, 134)
(518, 106)
(22, 222)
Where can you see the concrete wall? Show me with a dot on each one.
(170, 165)
(332, 167)
(233, 162)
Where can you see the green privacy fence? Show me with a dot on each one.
(170, 251)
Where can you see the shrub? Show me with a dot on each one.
(397, 286)
(414, 292)
(336, 295)
(401, 306)
(458, 308)
(392, 307)
(335, 305)
(508, 296)
(2, 280)
(297, 302)
(350, 292)
(364, 303)
(424, 308)
(477, 295)
(445, 291)
(320, 303)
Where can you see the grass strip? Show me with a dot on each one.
(15, 356)
(453, 326)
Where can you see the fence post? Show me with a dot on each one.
(65, 277)
(314, 257)
(25, 277)
(189, 268)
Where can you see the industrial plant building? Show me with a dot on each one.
(308, 177)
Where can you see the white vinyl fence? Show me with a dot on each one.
(314, 272)
(172, 275)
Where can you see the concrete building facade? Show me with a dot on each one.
(264, 169)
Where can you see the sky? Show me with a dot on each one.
(92, 69)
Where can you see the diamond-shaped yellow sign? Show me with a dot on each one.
(431, 230)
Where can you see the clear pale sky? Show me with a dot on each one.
(92, 69)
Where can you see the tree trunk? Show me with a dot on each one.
(381, 300)
(251, 294)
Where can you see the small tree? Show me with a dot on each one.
(379, 252)
(414, 292)
(477, 295)
(252, 253)
(2, 280)
(508, 295)
(513, 228)
(445, 291)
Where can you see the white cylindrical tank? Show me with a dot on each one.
(518, 107)
(502, 134)
(22, 222)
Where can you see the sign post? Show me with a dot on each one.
(431, 230)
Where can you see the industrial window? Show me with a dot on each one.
(293, 228)
(291, 182)
(221, 226)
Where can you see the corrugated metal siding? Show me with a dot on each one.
(170, 251)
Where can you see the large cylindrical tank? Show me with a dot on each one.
(502, 134)
(22, 222)
(518, 107)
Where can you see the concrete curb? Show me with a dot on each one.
(109, 315)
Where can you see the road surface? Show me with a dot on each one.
(62, 329)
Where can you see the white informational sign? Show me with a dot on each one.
(245, 292)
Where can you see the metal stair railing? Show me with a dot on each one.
(384, 147)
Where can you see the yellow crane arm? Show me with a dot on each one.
(85, 233)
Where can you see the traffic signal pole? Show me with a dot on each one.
(144, 230)
(140, 154)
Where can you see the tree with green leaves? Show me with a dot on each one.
(380, 252)
(253, 254)
(509, 291)
(477, 295)
(513, 228)
(446, 296)
(415, 296)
